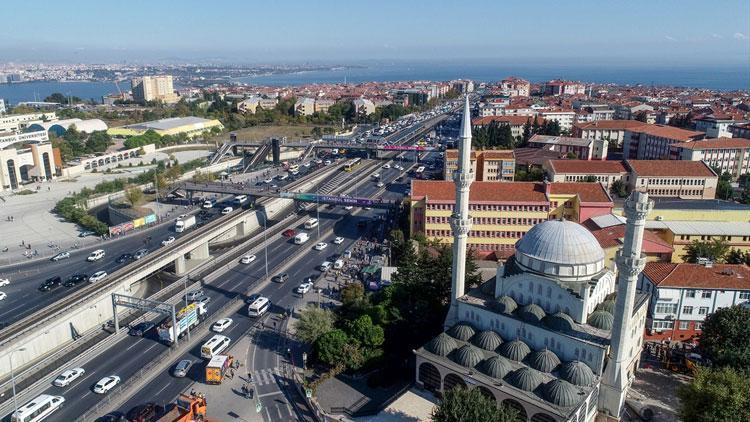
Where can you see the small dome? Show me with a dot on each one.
(532, 313)
(601, 319)
(544, 360)
(607, 305)
(560, 322)
(487, 340)
(577, 372)
(496, 367)
(506, 305)
(441, 345)
(461, 331)
(561, 393)
(468, 356)
(515, 350)
(525, 378)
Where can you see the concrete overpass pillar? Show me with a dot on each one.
(201, 252)
(180, 265)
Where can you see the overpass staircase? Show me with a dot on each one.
(220, 153)
(258, 157)
(306, 153)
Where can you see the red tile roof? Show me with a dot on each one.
(610, 237)
(507, 192)
(588, 192)
(696, 276)
(717, 143)
(670, 168)
(669, 132)
(610, 124)
(495, 154)
(587, 167)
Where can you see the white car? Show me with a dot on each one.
(247, 259)
(376, 176)
(320, 246)
(4, 282)
(269, 180)
(348, 207)
(3, 295)
(97, 276)
(222, 324)
(380, 184)
(338, 240)
(168, 241)
(304, 287)
(64, 379)
(105, 384)
(227, 210)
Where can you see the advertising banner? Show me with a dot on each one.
(138, 222)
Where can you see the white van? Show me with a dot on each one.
(37, 409)
(96, 255)
(214, 346)
(258, 307)
(240, 199)
(313, 222)
(325, 266)
(301, 238)
(208, 204)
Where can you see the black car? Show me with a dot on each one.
(145, 413)
(76, 279)
(124, 258)
(51, 283)
(112, 417)
(141, 329)
(281, 278)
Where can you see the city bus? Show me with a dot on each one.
(349, 166)
(38, 409)
(420, 172)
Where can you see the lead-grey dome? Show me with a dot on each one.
(601, 319)
(544, 360)
(561, 393)
(515, 350)
(577, 372)
(525, 378)
(560, 322)
(468, 356)
(461, 331)
(607, 305)
(487, 340)
(496, 367)
(532, 313)
(562, 249)
(506, 305)
(441, 345)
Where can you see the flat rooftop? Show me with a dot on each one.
(698, 204)
(170, 123)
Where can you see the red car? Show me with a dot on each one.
(289, 233)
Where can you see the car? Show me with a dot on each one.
(194, 295)
(181, 216)
(182, 368)
(280, 278)
(289, 233)
(96, 255)
(386, 166)
(252, 298)
(145, 412)
(106, 384)
(304, 287)
(61, 255)
(247, 259)
(3, 295)
(376, 176)
(76, 279)
(4, 282)
(64, 379)
(267, 181)
(221, 325)
(97, 276)
(203, 300)
(327, 162)
(51, 283)
(86, 233)
(320, 246)
(124, 258)
(140, 253)
(112, 417)
(380, 184)
(141, 329)
(227, 210)
(168, 241)
(339, 240)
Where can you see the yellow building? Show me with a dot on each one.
(680, 234)
(154, 88)
(192, 126)
(491, 165)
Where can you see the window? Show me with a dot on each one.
(665, 308)
(706, 294)
(684, 325)
(698, 325)
(662, 325)
(690, 293)
(744, 295)
(687, 310)
(703, 310)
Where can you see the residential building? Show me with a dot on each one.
(715, 126)
(670, 178)
(2, 106)
(564, 118)
(515, 87)
(683, 295)
(153, 88)
(630, 110)
(593, 114)
(740, 130)
(488, 166)
(191, 126)
(731, 155)
(251, 104)
(681, 234)
(606, 172)
(516, 123)
(584, 149)
(363, 106)
(608, 130)
(558, 87)
(304, 106)
(322, 105)
(653, 142)
(33, 162)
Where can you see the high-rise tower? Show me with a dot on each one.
(460, 220)
(623, 347)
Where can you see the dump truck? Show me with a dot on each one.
(187, 317)
(216, 368)
(187, 408)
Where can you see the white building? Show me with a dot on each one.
(715, 126)
(731, 155)
(363, 106)
(565, 118)
(304, 107)
(18, 122)
(8, 139)
(26, 165)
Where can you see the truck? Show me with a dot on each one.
(216, 368)
(301, 238)
(184, 223)
(187, 317)
(187, 408)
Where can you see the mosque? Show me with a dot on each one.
(556, 334)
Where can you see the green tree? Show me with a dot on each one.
(724, 190)
(721, 394)
(726, 337)
(714, 250)
(736, 256)
(62, 99)
(619, 188)
(571, 156)
(98, 141)
(313, 323)
(335, 347)
(365, 332)
(134, 196)
(470, 405)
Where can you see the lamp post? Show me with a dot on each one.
(265, 243)
(13, 378)
(185, 281)
(317, 211)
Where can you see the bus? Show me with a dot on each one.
(38, 409)
(349, 166)
(309, 224)
(292, 168)
(258, 307)
(214, 346)
(420, 172)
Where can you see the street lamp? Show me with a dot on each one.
(13, 378)
(265, 243)
(185, 281)
(317, 211)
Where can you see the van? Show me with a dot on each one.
(258, 307)
(207, 204)
(240, 199)
(311, 223)
(325, 266)
(96, 255)
(301, 238)
(214, 346)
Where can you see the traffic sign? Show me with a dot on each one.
(308, 393)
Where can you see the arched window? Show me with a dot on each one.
(518, 407)
(429, 376)
(452, 380)
(486, 392)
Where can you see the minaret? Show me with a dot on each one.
(460, 220)
(630, 263)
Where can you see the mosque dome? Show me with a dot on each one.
(496, 367)
(525, 378)
(561, 249)
(559, 322)
(607, 305)
(532, 313)
(544, 360)
(515, 350)
(462, 331)
(602, 320)
(487, 340)
(441, 345)
(468, 356)
(506, 305)
(577, 372)
(561, 393)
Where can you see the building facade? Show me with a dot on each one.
(731, 155)
(670, 178)
(681, 234)
(612, 131)
(363, 106)
(488, 166)
(653, 142)
(582, 148)
(714, 126)
(33, 163)
(565, 118)
(153, 88)
(515, 87)
(605, 172)
(19, 122)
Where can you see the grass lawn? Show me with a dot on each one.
(258, 133)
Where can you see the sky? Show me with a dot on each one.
(345, 32)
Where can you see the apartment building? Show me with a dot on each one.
(363, 106)
(153, 88)
(593, 114)
(683, 295)
(558, 87)
(488, 166)
(608, 130)
(715, 126)
(251, 104)
(630, 110)
(606, 172)
(653, 142)
(679, 179)
(515, 87)
(565, 118)
(584, 149)
(304, 107)
(740, 130)
(516, 123)
(730, 155)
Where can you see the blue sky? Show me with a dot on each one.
(635, 32)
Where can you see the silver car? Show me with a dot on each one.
(182, 368)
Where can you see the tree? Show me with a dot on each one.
(62, 99)
(721, 394)
(724, 190)
(313, 323)
(134, 195)
(619, 188)
(365, 332)
(726, 337)
(526, 132)
(329, 346)
(736, 256)
(571, 156)
(470, 405)
(98, 141)
(715, 250)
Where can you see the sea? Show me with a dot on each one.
(725, 78)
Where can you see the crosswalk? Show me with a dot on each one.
(266, 376)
